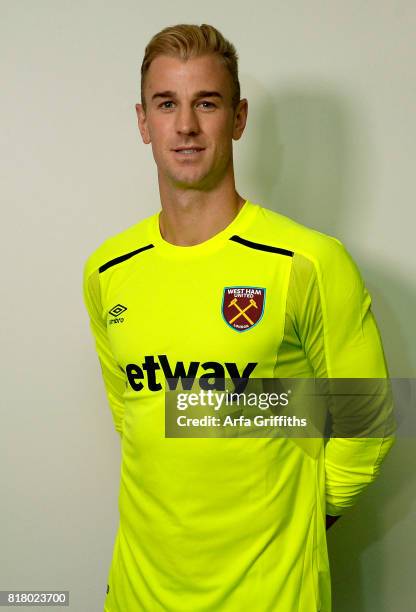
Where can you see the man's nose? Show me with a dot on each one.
(187, 120)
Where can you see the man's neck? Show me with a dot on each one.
(189, 218)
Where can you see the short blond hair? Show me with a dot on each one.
(186, 41)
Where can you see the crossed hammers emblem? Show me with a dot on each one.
(242, 311)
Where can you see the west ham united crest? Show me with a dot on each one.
(243, 307)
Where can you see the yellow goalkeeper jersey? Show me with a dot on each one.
(226, 524)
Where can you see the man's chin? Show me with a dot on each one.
(191, 181)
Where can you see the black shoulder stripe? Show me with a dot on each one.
(262, 247)
(121, 258)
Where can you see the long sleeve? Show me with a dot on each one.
(341, 340)
(113, 376)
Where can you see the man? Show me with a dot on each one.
(216, 283)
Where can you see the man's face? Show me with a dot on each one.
(189, 106)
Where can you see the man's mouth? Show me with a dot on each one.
(188, 150)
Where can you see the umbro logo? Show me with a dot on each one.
(116, 311)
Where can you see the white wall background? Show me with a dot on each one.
(330, 141)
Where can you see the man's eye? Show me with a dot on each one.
(167, 102)
(209, 103)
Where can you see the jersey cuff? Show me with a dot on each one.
(334, 510)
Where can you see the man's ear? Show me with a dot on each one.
(142, 122)
(240, 119)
